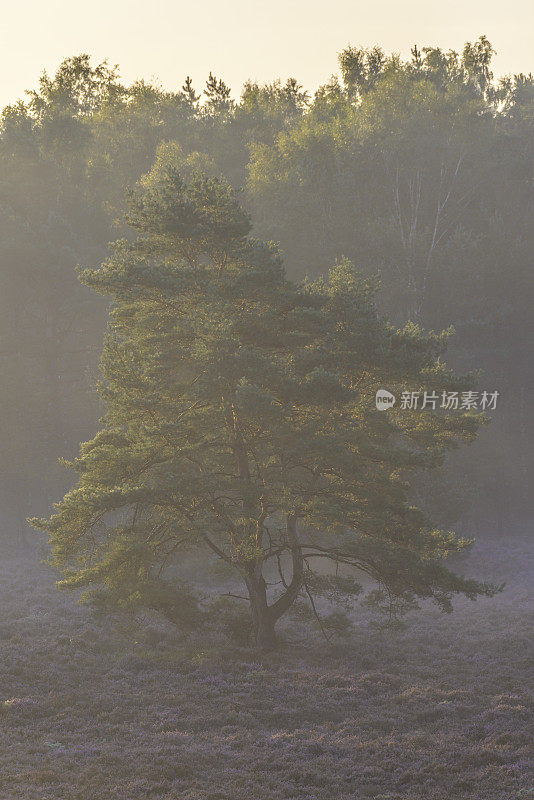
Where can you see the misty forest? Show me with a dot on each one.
(229, 572)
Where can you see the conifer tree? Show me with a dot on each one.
(241, 420)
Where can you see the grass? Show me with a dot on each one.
(91, 710)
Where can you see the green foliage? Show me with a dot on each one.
(360, 169)
(341, 590)
(240, 419)
(421, 169)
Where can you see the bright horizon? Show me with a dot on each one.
(164, 40)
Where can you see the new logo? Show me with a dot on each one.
(384, 400)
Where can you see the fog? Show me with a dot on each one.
(262, 552)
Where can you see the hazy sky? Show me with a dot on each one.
(166, 39)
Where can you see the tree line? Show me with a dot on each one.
(418, 171)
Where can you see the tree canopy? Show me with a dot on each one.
(420, 169)
(241, 419)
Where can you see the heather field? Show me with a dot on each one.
(131, 711)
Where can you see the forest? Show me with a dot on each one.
(203, 290)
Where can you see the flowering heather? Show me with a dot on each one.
(128, 711)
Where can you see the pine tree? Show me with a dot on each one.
(240, 420)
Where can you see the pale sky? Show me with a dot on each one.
(165, 40)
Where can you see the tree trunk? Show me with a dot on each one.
(263, 620)
(264, 632)
(264, 617)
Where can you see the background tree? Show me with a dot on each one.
(240, 418)
(423, 171)
(420, 169)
